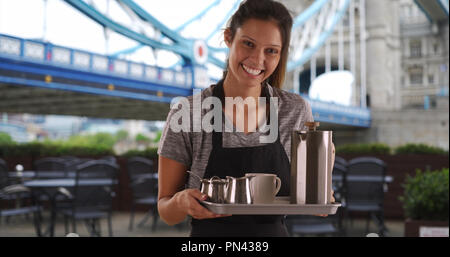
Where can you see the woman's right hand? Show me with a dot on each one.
(188, 200)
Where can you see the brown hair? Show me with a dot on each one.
(265, 10)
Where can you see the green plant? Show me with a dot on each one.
(141, 138)
(121, 135)
(150, 152)
(369, 148)
(158, 137)
(100, 139)
(419, 149)
(426, 195)
(5, 139)
(51, 148)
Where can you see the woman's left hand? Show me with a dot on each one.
(332, 201)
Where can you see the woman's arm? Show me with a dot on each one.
(175, 202)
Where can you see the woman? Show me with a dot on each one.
(258, 39)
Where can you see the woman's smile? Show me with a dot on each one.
(252, 71)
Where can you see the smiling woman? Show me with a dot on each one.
(258, 37)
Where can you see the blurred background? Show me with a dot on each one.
(91, 78)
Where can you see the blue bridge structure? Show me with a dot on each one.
(39, 77)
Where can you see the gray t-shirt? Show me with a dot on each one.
(193, 148)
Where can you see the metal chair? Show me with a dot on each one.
(109, 158)
(364, 189)
(50, 164)
(4, 177)
(339, 188)
(144, 188)
(340, 160)
(91, 203)
(72, 164)
(23, 204)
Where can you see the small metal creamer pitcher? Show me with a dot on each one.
(238, 190)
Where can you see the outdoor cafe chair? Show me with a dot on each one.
(50, 164)
(340, 160)
(339, 188)
(110, 158)
(339, 174)
(364, 189)
(4, 177)
(71, 165)
(56, 164)
(23, 203)
(13, 192)
(91, 203)
(144, 188)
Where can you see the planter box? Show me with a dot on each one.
(416, 228)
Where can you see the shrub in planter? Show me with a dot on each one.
(38, 149)
(369, 148)
(419, 149)
(425, 200)
(150, 153)
(26, 149)
(426, 195)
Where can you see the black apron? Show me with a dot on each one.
(268, 158)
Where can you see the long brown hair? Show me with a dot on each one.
(265, 10)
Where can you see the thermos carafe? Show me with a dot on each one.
(311, 157)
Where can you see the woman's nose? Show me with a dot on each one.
(257, 57)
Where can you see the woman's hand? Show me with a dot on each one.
(332, 200)
(188, 200)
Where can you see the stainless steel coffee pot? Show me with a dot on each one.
(311, 164)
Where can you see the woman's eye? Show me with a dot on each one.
(272, 51)
(248, 43)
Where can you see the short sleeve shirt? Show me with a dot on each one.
(192, 149)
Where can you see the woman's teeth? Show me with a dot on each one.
(251, 71)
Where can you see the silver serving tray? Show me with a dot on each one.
(281, 206)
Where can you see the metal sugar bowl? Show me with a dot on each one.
(215, 188)
(311, 166)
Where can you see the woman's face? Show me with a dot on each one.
(254, 52)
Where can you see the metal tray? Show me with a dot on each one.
(281, 206)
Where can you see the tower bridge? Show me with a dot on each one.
(40, 77)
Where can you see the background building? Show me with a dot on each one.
(405, 65)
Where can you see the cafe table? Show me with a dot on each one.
(363, 178)
(33, 174)
(52, 187)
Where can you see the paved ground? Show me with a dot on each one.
(22, 227)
